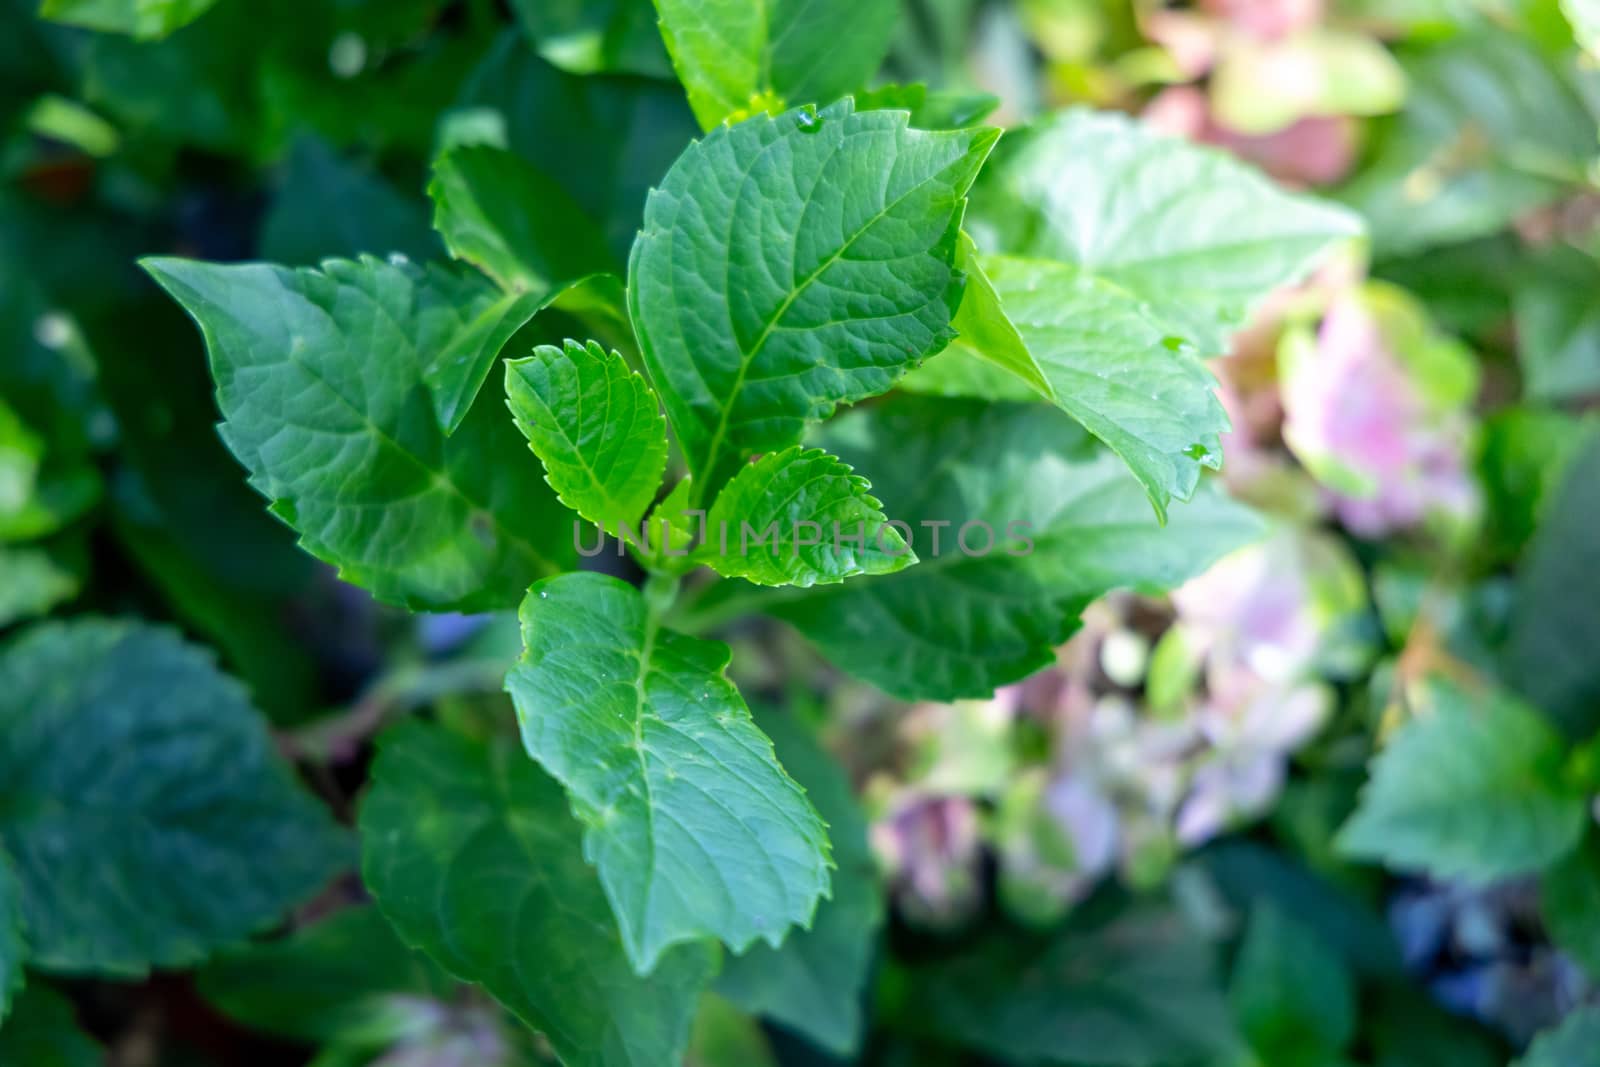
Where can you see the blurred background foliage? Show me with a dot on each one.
(1134, 858)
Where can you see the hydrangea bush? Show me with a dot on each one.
(753, 533)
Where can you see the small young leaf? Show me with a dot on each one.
(135, 772)
(473, 857)
(346, 972)
(595, 425)
(791, 264)
(320, 377)
(814, 982)
(1198, 236)
(739, 56)
(693, 825)
(1472, 788)
(508, 218)
(42, 1031)
(1105, 362)
(761, 516)
(142, 19)
(1019, 520)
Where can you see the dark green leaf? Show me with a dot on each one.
(1575, 1043)
(328, 206)
(135, 772)
(473, 857)
(510, 219)
(1289, 991)
(41, 1031)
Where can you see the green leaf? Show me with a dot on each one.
(606, 140)
(328, 206)
(1472, 788)
(789, 265)
(135, 772)
(1570, 903)
(473, 857)
(756, 528)
(1103, 360)
(595, 36)
(815, 982)
(320, 381)
(13, 948)
(144, 19)
(1558, 327)
(1289, 992)
(31, 583)
(1138, 991)
(1575, 1043)
(1554, 627)
(42, 1031)
(694, 827)
(723, 1036)
(931, 109)
(1491, 129)
(596, 426)
(737, 57)
(1198, 236)
(345, 973)
(1067, 525)
(507, 217)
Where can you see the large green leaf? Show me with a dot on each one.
(1198, 236)
(815, 981)
(736, 57)
(694, 827)
(595, 425)
(145, 19)
(520, 226)
(791, 264)
(1066, 522)
(1105, 361)
(473, 857)
(43, 1032)
(756, 529)
(343, 973)
(1472, 788)
(133, 771)
(1138, 991)
(320, 381)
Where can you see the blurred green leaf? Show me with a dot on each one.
(1558, 327)
(1574, 1043)
(144, 19)
(1474, 787)
(137, 773)
(329, 206)
(1290, 994)
(42, 1031)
